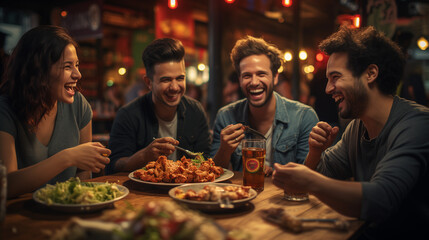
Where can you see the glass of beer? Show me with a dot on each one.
(253, 151)
(295, 196)
(299, 196)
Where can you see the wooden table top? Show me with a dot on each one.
(26, 219)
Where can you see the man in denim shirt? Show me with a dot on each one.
(285, 123)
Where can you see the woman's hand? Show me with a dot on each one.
(90, 156)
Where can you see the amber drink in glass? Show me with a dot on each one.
(253, 152)
(299, 196)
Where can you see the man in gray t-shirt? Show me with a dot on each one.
(378, 171)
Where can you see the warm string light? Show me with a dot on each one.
(319, 57)
(302, 55)
(287, 3)
(172, 4)
(122, 71)
(353, 21)
(308, 69)
(356, 21)
(422, 43)
(201, 67)
(64, 14)
(288, 56)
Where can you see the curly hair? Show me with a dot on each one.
(27, 80)
(367, 46)
(160, 51)
(255, 46)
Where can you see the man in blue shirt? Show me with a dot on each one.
(285, 123)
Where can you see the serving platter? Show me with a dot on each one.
(142, 222)
(227, 174)
(79, 208)
(209, 205)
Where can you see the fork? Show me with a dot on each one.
(295, 224)
(251, 130)
(191, 154)
(224, 201)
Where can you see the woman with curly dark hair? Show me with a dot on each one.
(45, 124)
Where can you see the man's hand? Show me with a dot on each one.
(230, 137)
(293, 177)
(159, 146)
(268, 171)
(321, 137)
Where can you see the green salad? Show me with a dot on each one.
(198, 159)
(73, 191)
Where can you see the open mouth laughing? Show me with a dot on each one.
(338, 98)
(70, 88)
(256, 93)
(173, 97)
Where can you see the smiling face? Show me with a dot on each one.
(348, 91)
(256, 79)
(65, 73)
(168, 84)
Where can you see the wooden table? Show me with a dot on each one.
(26, 219)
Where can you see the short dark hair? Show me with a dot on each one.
(255, 46)
(160, 51)
(27, 81)
(365, 46)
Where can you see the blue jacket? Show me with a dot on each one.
(292, 125)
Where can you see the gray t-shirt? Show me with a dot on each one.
(168, 129)
(393, 168)
(71, 118)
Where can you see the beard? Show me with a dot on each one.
(267, 99)
(356, 101)
(269, 94)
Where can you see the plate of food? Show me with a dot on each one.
(76, 196)
(164, 172)
(213, 196)
(162, 219)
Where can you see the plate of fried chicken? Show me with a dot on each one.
(164, 172)
(213, 196)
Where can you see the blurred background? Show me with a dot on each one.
(113, 33)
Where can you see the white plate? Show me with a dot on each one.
(91, 207)
(209, 205)
(227, 174)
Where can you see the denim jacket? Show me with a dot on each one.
(291, 127)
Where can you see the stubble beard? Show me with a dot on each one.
(356, 101)
(269, 92)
